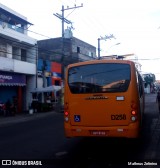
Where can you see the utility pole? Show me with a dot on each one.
(103, 38)
(64, 20)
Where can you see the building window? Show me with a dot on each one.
(78, 49)
(16, 53)
(91, 54)
(23, 55)
(3, 49)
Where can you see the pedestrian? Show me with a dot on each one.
(8, 108)
(2, 108)
(158, 99)
(14, 106)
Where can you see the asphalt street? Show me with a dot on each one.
(41, 135)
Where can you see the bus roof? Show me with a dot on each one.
(101, 61)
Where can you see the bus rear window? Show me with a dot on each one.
(99, 78)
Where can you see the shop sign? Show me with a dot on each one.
(56, 75)
(48, 74)
(39, 73)
(12, 78)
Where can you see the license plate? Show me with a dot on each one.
(98, 133)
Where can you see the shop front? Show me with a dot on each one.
(12, 88)
(45, 99)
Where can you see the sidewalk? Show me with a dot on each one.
(151, 109)
(151, 105)
(22, 117)
(150, 97)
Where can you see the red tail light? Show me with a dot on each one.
(133, 105)
(66, 113)
(133, 111)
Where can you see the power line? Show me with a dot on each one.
(25, 29)
(35, 48)
(91, 30)
(48, 52)
(48, 36)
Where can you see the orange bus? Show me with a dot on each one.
(103, 98)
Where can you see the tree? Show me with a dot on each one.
(149, 78)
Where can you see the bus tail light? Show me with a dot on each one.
(133, 118)
(66, 119)
(66, 116)
(66, 112)
(133, 105)
(133, 112)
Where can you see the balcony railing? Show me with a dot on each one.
(16, 28)
(13, 27)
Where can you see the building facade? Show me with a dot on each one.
(49, 73)
(65, 51)
(18, 59)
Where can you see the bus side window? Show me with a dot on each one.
(140, 86)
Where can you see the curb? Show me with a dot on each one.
(22, 118)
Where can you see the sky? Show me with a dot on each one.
(135, 25)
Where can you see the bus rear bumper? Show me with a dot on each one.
(131, 131)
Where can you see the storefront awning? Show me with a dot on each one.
(52, 88)
(12, 79)
(12, 84)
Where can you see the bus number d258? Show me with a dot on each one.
(118, 117)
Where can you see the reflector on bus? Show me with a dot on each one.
(120, 98)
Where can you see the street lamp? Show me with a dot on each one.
(114, 45)
(108, 49)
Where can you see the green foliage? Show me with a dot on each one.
(149, 78)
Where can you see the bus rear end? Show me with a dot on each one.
(101, 99)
